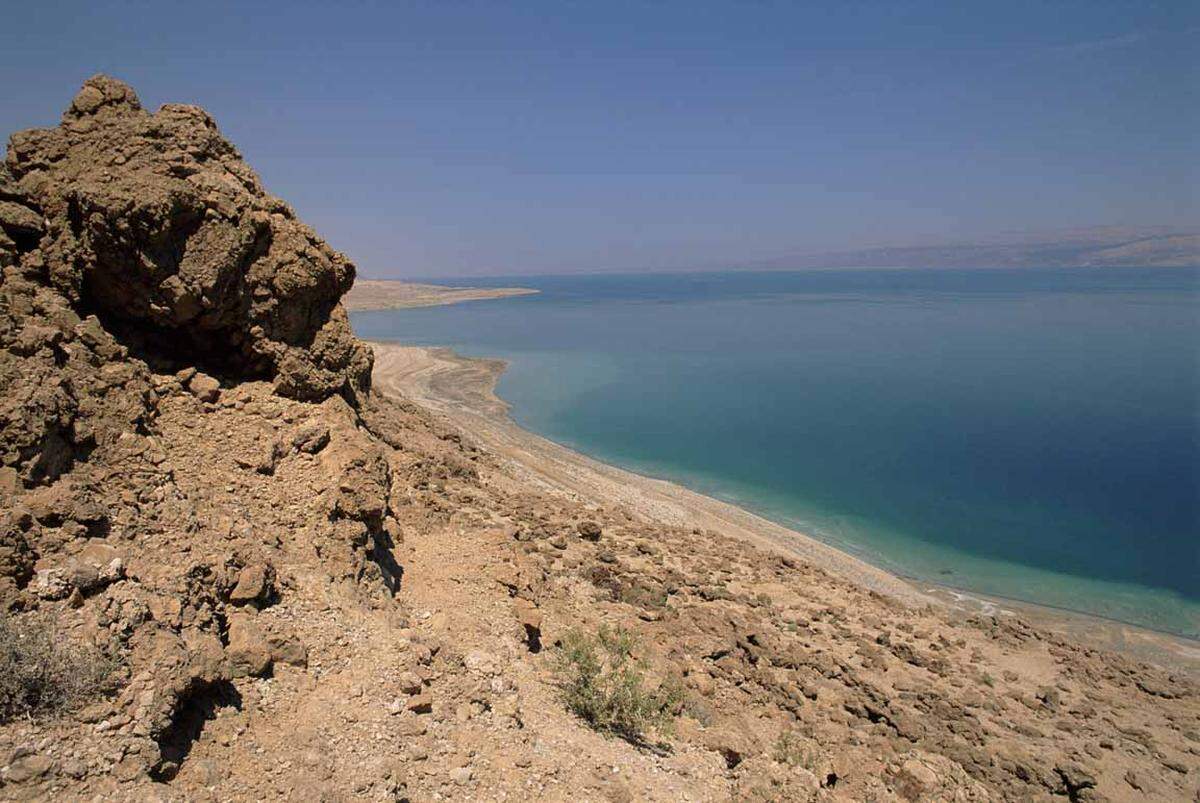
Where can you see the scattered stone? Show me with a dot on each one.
(589, 530)
(249, 652)
(52, 584)
(916, 780)
(255, 585)
(1160, 687)
(410, 683)
(311, 437)
(1137, 782)
(131, 768)
(19, 220)
(508, 706)
(94, 567)
(530, 619)
(481, 662)
(412, 727)
(1075, 778)
(420, 703)
(29, 768)
(74, 768)
(204, 387)
(287, 650)
(261, 458)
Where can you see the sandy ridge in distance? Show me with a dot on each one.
(377, 294)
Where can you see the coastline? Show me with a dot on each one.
(383, 294)
(462, 390)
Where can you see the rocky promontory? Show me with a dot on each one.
(154, 224)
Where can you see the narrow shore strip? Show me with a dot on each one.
(382, 294)
(463, 390)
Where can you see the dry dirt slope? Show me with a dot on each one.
(312, 591)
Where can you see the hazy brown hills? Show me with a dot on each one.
(1099, 246)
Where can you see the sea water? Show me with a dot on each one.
(1033, 434)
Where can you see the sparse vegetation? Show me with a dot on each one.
(604, 683)
(41, 672)
(793, 751)
(649, 596)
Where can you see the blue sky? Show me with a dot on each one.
(451, 138)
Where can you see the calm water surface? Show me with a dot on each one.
(1033, 434)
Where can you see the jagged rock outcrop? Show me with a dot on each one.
(150, 290)
(155, 224)
(128, 234)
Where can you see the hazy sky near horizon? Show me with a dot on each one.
(461, 138)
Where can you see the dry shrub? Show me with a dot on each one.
(605, 685)
(795, 751)
(41, 672)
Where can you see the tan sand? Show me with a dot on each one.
(376, 294)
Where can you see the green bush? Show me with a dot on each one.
(604, 684)
(43, 673)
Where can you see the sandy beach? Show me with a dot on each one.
(462, 390)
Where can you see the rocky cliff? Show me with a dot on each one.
(150, 282)
(154, 224)
(256, 578)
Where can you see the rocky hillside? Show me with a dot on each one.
(255, 579)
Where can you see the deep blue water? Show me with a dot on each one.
(1032, 433)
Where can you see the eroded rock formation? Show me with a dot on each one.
(153, 223)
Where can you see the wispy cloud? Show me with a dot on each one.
(1102, 44)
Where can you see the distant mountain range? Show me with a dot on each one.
(1099, 246)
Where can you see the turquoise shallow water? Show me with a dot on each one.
(1031, 434)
